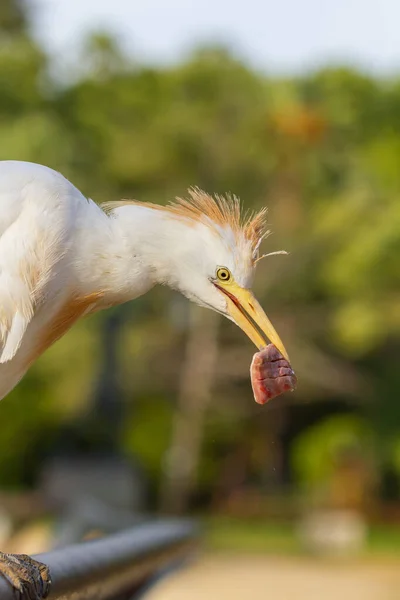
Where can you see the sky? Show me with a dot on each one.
(273, 35)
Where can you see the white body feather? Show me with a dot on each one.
(59, 255)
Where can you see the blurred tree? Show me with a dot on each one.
(102, 57)
(197, 379)
(13, 17)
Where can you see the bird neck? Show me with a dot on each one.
(154, 240)
(134, 252)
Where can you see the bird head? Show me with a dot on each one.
(216, 257)
(204, 247)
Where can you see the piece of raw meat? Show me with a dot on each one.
(271, 374)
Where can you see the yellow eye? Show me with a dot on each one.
(224, 274)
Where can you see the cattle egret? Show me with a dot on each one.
(62, 256)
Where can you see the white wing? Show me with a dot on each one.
(34, 221)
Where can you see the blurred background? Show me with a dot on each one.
(147, 408)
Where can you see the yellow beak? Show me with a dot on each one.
(250, 317)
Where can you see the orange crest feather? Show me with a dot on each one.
(224, 211)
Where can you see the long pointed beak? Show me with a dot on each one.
(248, 314)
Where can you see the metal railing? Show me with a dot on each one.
(117, 567)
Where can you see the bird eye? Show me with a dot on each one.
(224, 274)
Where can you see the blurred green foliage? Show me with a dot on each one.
(316, 450)
(322, 150)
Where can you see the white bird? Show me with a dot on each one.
(62, 256)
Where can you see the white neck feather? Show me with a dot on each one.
(164, 249)
(125, 253)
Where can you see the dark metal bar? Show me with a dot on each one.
(115, 566)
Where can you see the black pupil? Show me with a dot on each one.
(224, 275)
